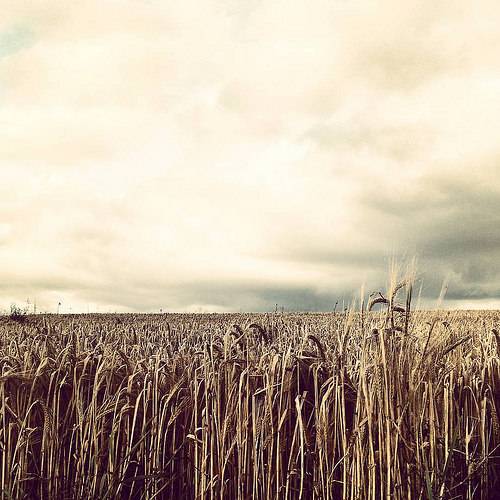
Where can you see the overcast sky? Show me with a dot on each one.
(223, 155)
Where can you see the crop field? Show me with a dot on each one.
(373, 402)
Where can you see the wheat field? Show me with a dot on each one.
(378, 401)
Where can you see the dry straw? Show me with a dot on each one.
(387, 403)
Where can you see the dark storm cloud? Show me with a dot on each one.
(451, 224)
(230, 296)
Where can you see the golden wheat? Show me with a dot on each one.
(371, 404)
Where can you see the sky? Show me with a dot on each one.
(221, 155)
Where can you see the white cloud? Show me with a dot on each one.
(147, 147)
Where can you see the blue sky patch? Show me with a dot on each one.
(16, 38)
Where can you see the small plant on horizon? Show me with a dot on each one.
(17, 313)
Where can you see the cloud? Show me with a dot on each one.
(451, 223)
(227, 155)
